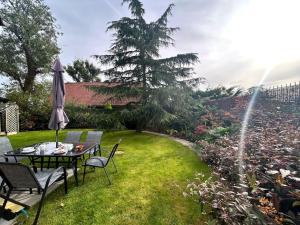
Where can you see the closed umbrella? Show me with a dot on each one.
(58, 118)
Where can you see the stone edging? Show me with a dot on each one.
(186, 143)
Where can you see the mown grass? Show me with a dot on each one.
(152, 174)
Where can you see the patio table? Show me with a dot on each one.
(37, 155)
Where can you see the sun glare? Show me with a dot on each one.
(267, 31)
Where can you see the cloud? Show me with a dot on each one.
(202, 24)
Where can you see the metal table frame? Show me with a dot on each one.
(70, 155)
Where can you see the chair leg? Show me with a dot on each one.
(6, 198)
(112, 159)
(83, 174)
(65, 181)
(107, 175)
(40, 207)
(2, 185)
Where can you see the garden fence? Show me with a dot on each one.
(288, 93)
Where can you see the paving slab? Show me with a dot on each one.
(186, 143)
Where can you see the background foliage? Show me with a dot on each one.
(83, 71)
(89, 117)
(34, 107)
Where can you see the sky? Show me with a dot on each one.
(236, 40)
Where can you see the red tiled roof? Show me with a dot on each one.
(81, 94)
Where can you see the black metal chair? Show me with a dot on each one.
(95, 137)
(20, 177)
(5, 146)
(2, 184)
(73, 137)
(101, 162)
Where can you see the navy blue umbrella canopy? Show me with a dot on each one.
(59, 118)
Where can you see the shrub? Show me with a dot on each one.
(88, 117)
(230, 207)
(200, 129)
(35, 108)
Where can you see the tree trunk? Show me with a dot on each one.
(29, 82)
(141, 122)
(31, 74)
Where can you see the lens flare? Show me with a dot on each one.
(246, 119)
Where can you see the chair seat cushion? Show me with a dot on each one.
(42, 177)
(96, 161)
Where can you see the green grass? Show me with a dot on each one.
(153, 173)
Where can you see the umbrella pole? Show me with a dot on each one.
(56, 139)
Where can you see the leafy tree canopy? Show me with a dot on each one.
(28, 41)
(83, 71)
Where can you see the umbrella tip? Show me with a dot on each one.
(57, 66)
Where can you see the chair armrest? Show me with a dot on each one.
(54, 172)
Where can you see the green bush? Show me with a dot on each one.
(90, 117)
(212, 135)
(34, 108)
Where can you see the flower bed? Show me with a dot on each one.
(268, 192)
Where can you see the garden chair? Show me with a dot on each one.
(101, 162)
(73, 137)
(19, 177)
(5, 146)
(95, 137)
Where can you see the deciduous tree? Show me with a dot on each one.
(28, 41)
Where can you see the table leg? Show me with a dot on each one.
(49, 160)
(42, 162)
(56, 162)
(74, 167)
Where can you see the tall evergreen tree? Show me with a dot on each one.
(135, 61)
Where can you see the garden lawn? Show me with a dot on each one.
(152, 174)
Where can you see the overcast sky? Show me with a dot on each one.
(233, 38)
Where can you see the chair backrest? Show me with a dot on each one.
(5, 145)
(17, 175)
(114, 149)
(73, 137)
(94, 137)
